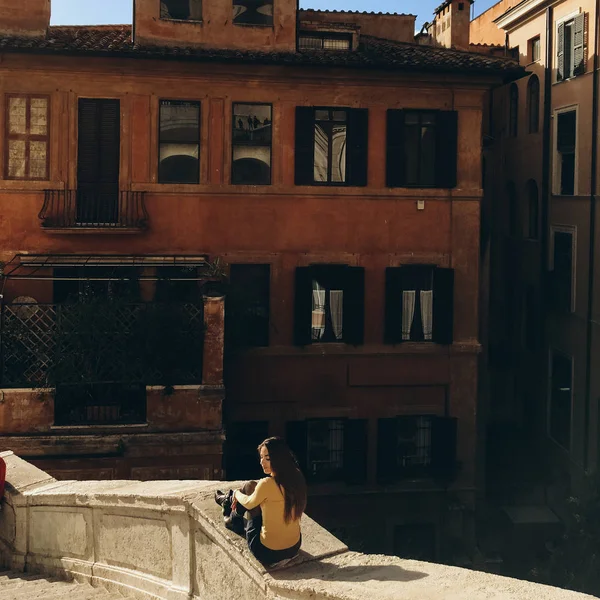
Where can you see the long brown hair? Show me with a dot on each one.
(287, 476)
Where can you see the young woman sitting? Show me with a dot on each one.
(268, 511)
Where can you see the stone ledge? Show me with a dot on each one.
(166, 540)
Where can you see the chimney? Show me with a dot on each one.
(451, 24)
(24, 18)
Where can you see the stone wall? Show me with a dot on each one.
(165, 540)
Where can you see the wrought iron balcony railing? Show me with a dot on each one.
(95, 208)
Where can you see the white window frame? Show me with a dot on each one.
(553, 350)
(564, 19)
(572, 229)
(555, 160)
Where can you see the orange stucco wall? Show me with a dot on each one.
(483, 28)
(24, 18)
(283, 225)
(216, 29)
(390, 27)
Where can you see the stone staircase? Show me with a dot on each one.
(25, 586)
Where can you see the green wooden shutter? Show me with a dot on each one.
(297, 440)
(358, 146)
(579, 44)
(395, 162)
(443, 306)
(355, 450)
(393, 305)
(354, 305)
(387, 438)
(446, 148)
(560, 53)
(305, 145)
(303, 306)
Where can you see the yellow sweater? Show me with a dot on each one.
(275, 533)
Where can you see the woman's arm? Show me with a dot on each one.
(256, 498)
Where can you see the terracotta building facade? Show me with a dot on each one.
(324, 180)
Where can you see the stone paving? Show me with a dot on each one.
(24, 586)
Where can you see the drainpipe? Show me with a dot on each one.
(545, 192)
(592, 244)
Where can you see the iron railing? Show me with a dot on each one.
(99, 207)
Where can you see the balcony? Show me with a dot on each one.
(93, 209)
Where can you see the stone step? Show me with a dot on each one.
(24, 586)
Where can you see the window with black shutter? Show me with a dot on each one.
(241, 454)
(331, 146)
(98, 159)
(247, 322)
(330, 449)
(421, 148)
(563, 270)
(415, 446)
(571, 47)
(566, 146)
(419, 304)
(329, 304)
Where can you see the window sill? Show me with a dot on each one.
(170, 20)
(33, 185)
(261, 25)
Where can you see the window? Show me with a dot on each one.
(330, 449)
(570, 46)
(563, 269)
(329, 304)
(247, 322)
(419, 304)
(181, 10)
(534, 49)
(533, 104)
(324, 41)
(566, 141)
(331, 146)
(415, 446)
(251, 144)
(253, 12)
(98, 161)
(561, 397)
(513, 111)
(421, 148)
(513, 209)
(179, 142)
(27, 135)
(534, 210)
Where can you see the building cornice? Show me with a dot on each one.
(521, 11)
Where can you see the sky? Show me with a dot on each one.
(84, 12)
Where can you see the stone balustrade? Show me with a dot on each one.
(165, 540)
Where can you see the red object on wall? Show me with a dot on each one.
(2, 476)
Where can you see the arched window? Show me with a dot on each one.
(533, 103)
(533, 210)
(513, 209)
(513, 112)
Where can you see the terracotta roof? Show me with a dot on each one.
(373, 53)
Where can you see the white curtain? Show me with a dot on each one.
(318, 311)
(408, 312)
(336, 300)
(427, 313)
